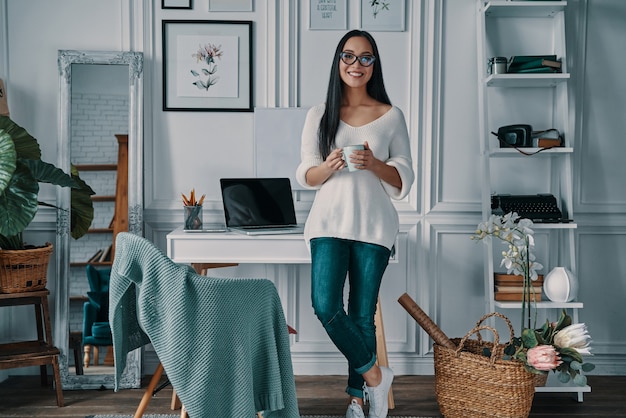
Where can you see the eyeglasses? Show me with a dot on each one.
(349, 58)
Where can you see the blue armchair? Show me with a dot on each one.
(96, 328)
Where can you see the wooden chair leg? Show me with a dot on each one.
(183, 412)
(108, 358)
(57, 382)
(175, 404)
(145, 400)
(381, 346)
(87, 351)
(96, 355)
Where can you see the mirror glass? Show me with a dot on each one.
(100, 134)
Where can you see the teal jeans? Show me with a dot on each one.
(353, 331)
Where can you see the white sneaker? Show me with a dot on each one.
(378, 396)
(354, 410)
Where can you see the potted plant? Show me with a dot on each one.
(556, 346)
(21, 171)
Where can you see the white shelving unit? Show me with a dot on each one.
(506, 29)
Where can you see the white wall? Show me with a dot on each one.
(430, 72)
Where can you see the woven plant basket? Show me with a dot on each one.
(540, 379)
(469, 384)
(24, 270)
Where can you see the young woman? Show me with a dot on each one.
(353, 224)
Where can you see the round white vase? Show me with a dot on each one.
(560, 285)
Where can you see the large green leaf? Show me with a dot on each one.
(7, 159)
(18, 202)
(25, 145)
(82, 208)
(47, 173)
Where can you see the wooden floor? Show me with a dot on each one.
(22, 396)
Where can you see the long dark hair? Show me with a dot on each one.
(334, 97)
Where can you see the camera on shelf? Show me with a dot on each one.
(523, 136)
(515, 136)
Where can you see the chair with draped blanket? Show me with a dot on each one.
(223, 342)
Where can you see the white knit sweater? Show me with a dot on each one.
(356, 205)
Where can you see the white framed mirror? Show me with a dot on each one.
(100, 102)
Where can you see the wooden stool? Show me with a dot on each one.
(33, 353)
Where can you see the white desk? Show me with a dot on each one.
(231, 247)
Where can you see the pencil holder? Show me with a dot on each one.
(193, 217)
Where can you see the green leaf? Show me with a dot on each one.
(509, 350)
(587, 367)
(574, 365)
(543, 334)
(529, 338)
(82, 208)
(48, 173)
(570, 354)
(580, 380)
(25, 145)
(8, 158)
(564, 321)
(18, 202)
(563, 377)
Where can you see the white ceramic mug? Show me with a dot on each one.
(346, 155)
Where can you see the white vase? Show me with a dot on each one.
(560, 285)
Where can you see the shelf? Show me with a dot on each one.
(541, 305)
(512, 28)
(512, 152)
(96, 264)
(100, 231)
(96, 167)
(103, 198)
(554, 385)
(503, 8)
(526, 80)
(552, 226)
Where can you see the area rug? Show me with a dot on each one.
(178, 416)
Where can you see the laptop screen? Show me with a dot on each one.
(257, 202)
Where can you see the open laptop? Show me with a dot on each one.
(259, 206)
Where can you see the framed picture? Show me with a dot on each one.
(328, 14)
(207, 65)
(176, 4)
(383, 15)
(230, 6)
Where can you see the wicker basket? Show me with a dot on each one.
(24, 270)
(469, 384)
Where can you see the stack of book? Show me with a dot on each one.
(510, 288)
(534, 64)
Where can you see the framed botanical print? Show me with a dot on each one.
(383, 15)
(207, 65)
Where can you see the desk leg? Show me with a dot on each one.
(201, 268)
(381, 346)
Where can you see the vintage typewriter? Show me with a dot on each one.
(539, 208)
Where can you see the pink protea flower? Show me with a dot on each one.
(543, 357)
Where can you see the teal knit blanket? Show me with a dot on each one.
(223, 342)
